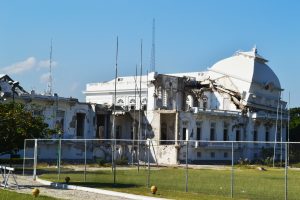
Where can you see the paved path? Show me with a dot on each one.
(27, 184)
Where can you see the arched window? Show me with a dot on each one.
(144, 101)
(132, 101)
(120, 101)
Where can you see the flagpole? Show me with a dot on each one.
(114, 116)
(140, 107)
(276, 129)
(288, 149)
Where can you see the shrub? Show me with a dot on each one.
(100, 161)
(244, 161)
(122, 161)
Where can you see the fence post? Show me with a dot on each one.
(148, 178)
(132, 151)
(24, 157)
(232, 169)
(59, 158)
(35, 159)
(112, 157)
(114, 161)
(285, 172)
(84, 160)
(186, 166)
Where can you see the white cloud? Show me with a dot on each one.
(26, 65)
(20, 67)
(44, 78)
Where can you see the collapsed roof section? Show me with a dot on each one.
(197, 89)
(8, 86)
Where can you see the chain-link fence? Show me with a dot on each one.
(239, 169)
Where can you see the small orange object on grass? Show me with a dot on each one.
(35, 192)
(67, 179)
(153, 189)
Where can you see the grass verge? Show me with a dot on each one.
(11, 195)
(202, 183)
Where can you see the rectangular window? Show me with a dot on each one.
(212, 131)
(198, 133)
(199, 154)
(225, 154)
(131, 132)
(118, 132)
(80, 122)
(267, 134)
(184, 134)
(255, 135)
(278, 138)
(100, 121)
(237, 135)
(212, 154)
(225, 132)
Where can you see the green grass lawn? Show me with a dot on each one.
(11, 195)
(202, 183)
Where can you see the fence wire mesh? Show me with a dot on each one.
(227, 169)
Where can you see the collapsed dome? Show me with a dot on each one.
(249, 67)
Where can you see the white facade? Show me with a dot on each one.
(128, 91)
(237, 99)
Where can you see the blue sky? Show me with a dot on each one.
(190, 36)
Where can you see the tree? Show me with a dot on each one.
(18, 124)
(294, 152)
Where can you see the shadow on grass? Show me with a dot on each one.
(67, 171)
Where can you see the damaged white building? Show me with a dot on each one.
(237, 99)
(70, 118)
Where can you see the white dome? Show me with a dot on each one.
(247, 67)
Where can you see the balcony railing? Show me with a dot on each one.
(268, 116)
(216, 111)
(218, 145)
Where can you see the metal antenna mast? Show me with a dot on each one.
(152, 62)
(50, 81)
